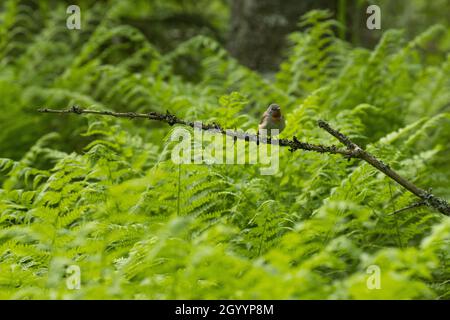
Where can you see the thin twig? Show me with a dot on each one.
(352, 150)
(412, 206)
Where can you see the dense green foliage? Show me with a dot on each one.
(103, 194)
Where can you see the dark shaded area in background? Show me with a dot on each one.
(258, 29)
(255, 31)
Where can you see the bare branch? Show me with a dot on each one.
(430, 200)
(171, 119)
(352, 150)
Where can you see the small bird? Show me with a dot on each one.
(272, 119)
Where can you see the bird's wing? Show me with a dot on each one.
(263, 116)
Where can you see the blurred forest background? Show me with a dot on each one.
(102, 194)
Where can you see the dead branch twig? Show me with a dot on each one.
(352, 150)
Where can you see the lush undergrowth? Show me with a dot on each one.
(103, 194)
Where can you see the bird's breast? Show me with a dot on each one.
(276, 119)
(276, 114)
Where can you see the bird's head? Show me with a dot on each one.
(274, 110)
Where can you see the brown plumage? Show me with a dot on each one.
(272, 119)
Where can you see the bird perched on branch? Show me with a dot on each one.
(272, 119)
